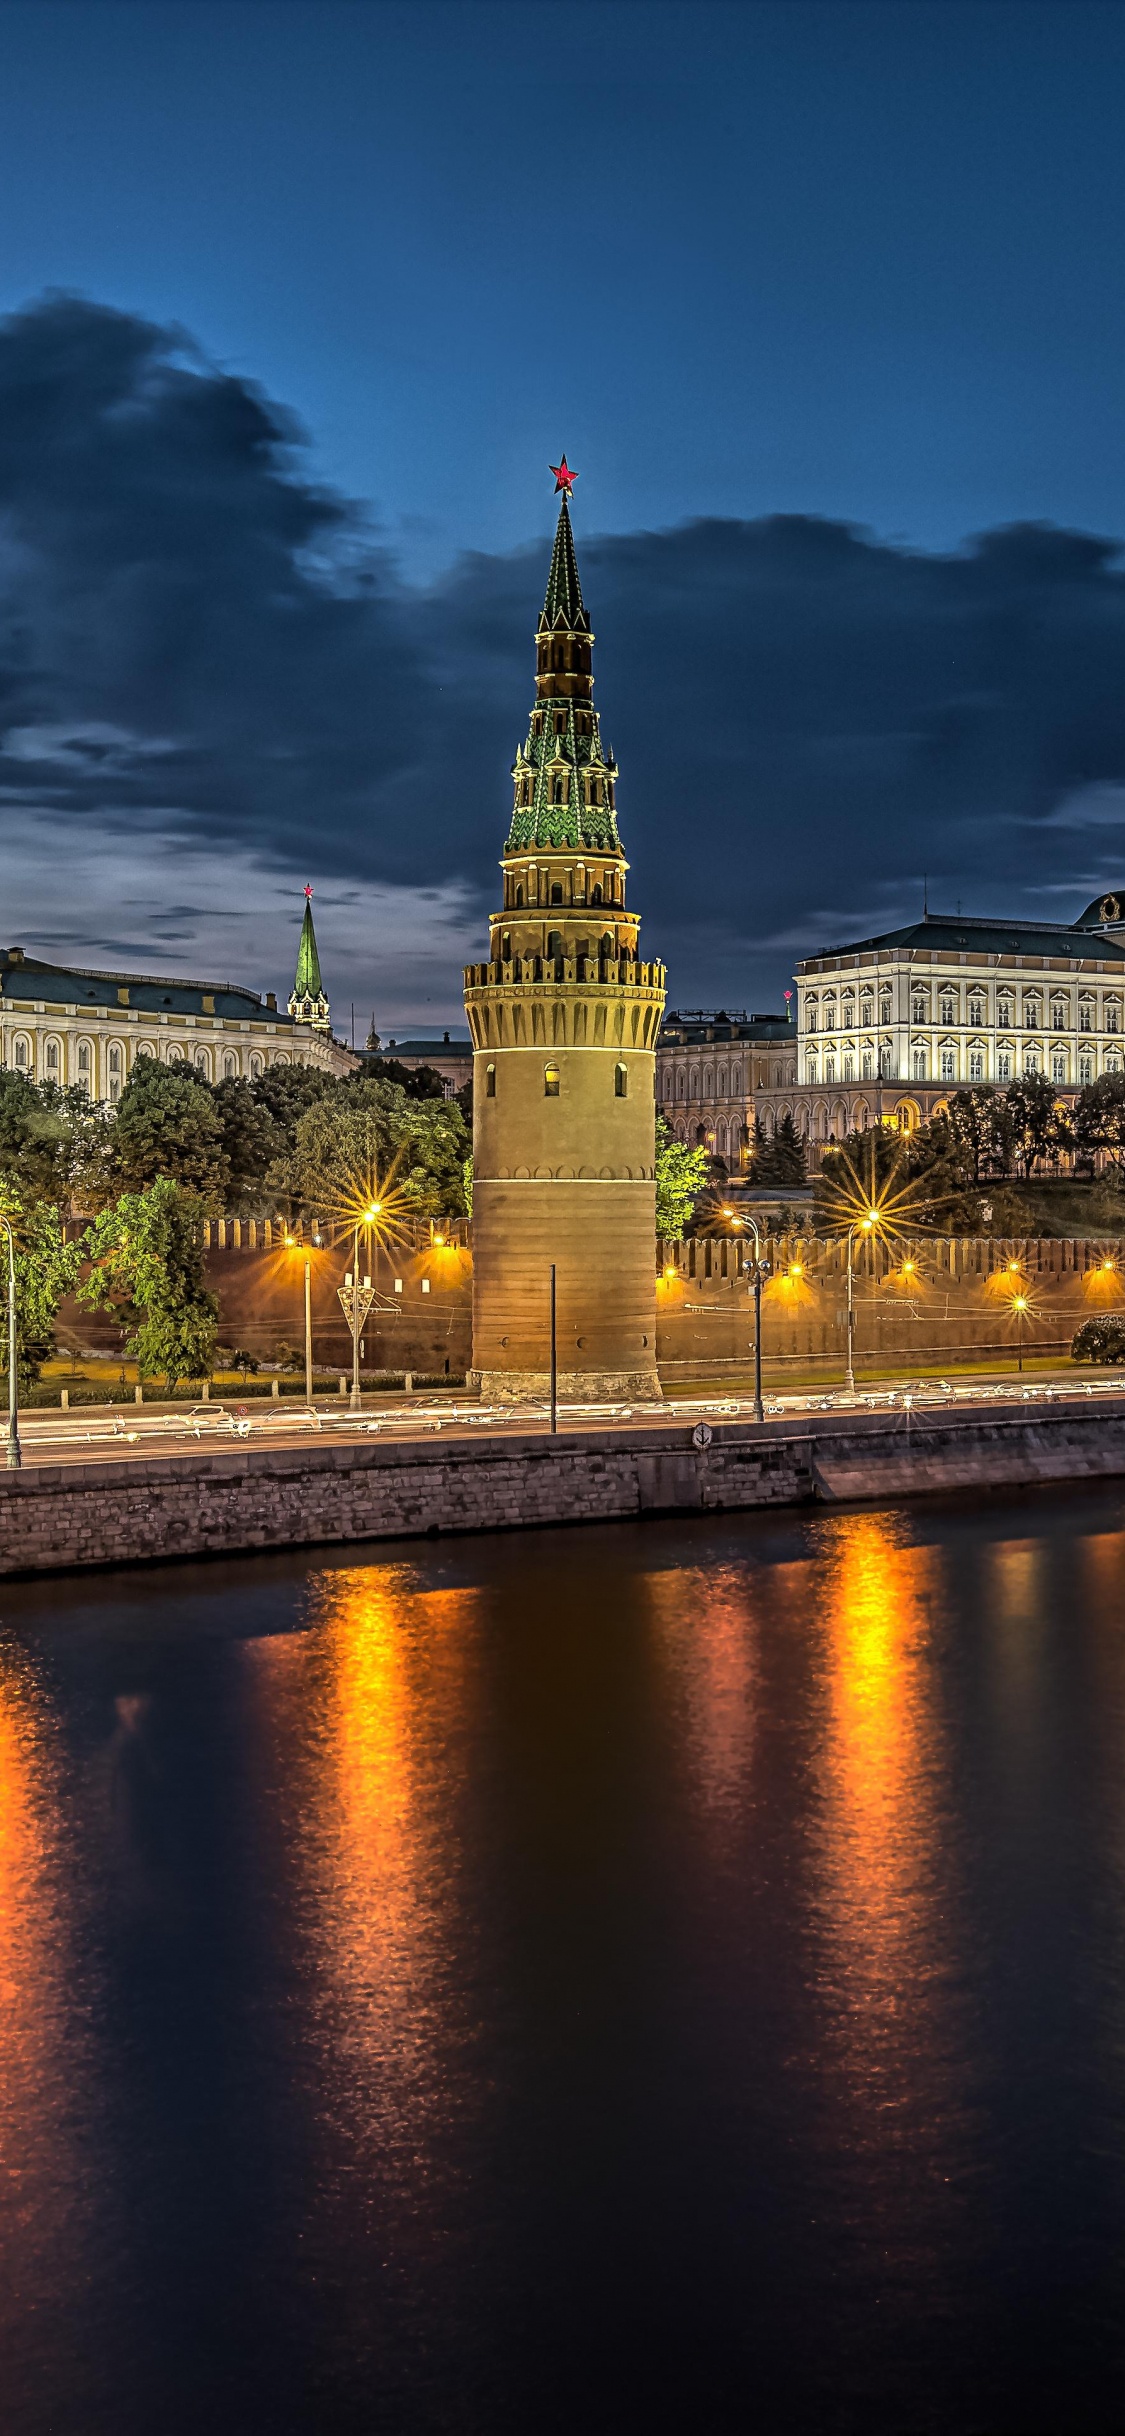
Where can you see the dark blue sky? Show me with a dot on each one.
(854, 263)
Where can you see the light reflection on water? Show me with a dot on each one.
(587, 1980)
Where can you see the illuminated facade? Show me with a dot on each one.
(719, 1077)
(889, 1026)
(564, 1019)
(59, 1025)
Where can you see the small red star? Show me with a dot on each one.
(308, 888)
(564, 479)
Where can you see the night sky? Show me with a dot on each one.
(824, 302)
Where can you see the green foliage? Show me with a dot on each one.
(467, 1184)
(251, 1139)
(1098, 1120)
(52, 1143)
(681, 1176)
(1039, 1128)
(46, 1270)
(779, 1158)
(147, 1256)
(286, 1091)
(1100, 1340)
(362, 1130)
(167, 1125)
(418, 1082)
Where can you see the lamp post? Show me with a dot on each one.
(292, 1245)
(759, 1271)
(863, 1226)
(554, 1362)
(355, 1300)
(15, 1456)
(1019, 1306)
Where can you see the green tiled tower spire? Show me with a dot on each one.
(564, 783)
(308, 1003)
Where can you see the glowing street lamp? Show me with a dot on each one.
(1020, 1307)
(759, 1271)
(292, 1245)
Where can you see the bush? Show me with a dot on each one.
(1100, 1340)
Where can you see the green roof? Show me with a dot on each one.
(30, 978)
(562, 606)
(985, 938)
(561, 766)
(308, 983)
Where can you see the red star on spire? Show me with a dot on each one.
(308, 888)
(564, 479)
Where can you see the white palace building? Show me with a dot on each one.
(889, 1026)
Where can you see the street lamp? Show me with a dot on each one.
(356, 1300)
(759, 1271)
(1019, 1306)
(15, 1457)
(863, 1227)
(292, 1245)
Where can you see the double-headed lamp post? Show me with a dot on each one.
(292, 1245)
(864, 1228)
(357, 1304)
(15, 1457)
(759, 1270)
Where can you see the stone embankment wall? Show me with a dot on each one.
(116, 1513)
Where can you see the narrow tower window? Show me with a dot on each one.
(621, 1082)
(556, 892)
(550, 1082)
(490, 1082)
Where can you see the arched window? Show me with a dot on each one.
(596, 893)
(230, 1065)
(918, 1065)
(551, 1082)
(83, 1056)
(554, 943)
(282, 1058)
(556, 892)
(681, 1084)
(621, 1081)
(735, 1081)
(519, 893)
(114, 1059)
(21, 1052)
(202, 1062)
(53, 1059)
(490, 1082)
(255, 1066)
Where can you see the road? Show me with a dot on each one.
(96, 1433)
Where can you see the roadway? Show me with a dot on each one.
(99, 1434)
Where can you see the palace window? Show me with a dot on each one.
(1031, 1061)
(1003, 1065)
(550, 1082)
(1113, 1061)
(949, 1065)
(976, 1065)
(917, 1010)
(114, 1058)
(230, 1065)
(1058, 1066)
(255, 1066)
(949, 1010)
(735, 1081)
(52, 1057)
(849, 1068)
(83, 1057)
(1112, 1016)
(829, 1069)
(867, 1010)
(1032, 1014)
(865, 1065)
(884, 1061)
(1085, 1069)
(976, 1010)
(621, 1082)
(1060, 1014)
(810, 1015)
(1004, 1013)
(918, 1065)
(21, 1052)
(884, 1010)
(1085, 1016)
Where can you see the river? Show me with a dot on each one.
(649, 1976)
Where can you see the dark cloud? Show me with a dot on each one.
(196, 639)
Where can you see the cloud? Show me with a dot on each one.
(206, 655)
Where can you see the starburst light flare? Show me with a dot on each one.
(878, 1212)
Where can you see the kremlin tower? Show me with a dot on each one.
(564, 1019)
(307, 1002)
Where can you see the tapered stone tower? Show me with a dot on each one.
(564, 1019)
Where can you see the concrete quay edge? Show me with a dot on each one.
(150, 1510)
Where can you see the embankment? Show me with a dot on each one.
(116, 1513)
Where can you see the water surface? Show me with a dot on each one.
(652, 1976)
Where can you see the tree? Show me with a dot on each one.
(46, 1270)
(779, 1158)
(286, 1091)
(681, 1176)
(1039, 1128)
(50, 1140)
(1098, 1120)
(418, 1082)
(251, 1139)
(972, 1125)
(167, 1125)
(365, 1132)
(147, 1256)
